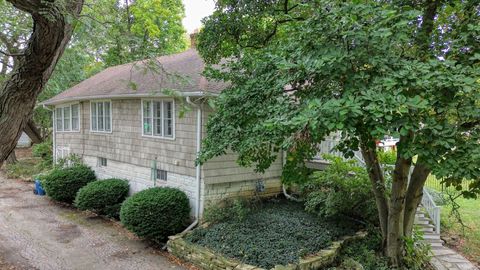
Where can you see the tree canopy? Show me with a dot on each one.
(299, 71)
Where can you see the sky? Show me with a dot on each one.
(195, 10)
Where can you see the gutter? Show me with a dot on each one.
(54, 146)
(123, 96)
(198, 166)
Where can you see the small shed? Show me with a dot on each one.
(24, 141)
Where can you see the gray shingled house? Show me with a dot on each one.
(123, 124)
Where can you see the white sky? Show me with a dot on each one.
(195, 10)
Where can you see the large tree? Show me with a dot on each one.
(300, 70)
(51, 31)
(107, 33)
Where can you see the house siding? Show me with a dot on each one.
(130, 155)
(224, 178)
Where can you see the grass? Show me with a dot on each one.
(26, 168)
(468, 239)
(272, 233)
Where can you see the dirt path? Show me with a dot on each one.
(36, 233)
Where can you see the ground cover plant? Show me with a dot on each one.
(275, 232)
(103, 197)
(156, 213)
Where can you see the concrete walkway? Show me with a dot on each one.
(443, 258)
(36, 233)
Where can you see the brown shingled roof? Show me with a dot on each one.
(180, 72)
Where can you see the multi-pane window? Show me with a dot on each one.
(101, 117)
(158, 118)
(67, 118)
(161, 175)
(101, 161)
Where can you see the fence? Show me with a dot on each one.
(438, 185)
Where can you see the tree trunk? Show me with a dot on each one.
(414, 195)
(395, 237)
(12, 158)
(378, 185)
(33, 132)
(51, 33)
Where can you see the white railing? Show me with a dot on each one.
(328, 147)
(432, 209)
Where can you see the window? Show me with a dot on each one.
(101, 116)
(158, 118)
(161, 175)
(101, 162)
(67, 118)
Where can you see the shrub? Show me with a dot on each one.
(156, 213)
(103, 196)
(438, 197)
(343, 189)
(388, 157)
(62, 184)
(44, 151)
(228, 209)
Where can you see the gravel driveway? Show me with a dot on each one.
(36, 233)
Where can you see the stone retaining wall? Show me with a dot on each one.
(209, 260)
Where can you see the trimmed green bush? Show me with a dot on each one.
(156, 213)
(62, 184)
(103, 197)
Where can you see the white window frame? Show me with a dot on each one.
(111, 117)
(62, 107)
(162, 118)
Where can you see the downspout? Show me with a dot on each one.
(54, 147)
(288, 196)
(198, 166)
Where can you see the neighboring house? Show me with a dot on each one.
(24, 141)
(139, 135)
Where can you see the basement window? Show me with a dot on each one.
(161, 175)
(102, 162)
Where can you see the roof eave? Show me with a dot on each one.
(125, 96)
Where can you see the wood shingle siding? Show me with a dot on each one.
(126, 144)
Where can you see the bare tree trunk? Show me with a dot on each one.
(33, 132)
(414, 195)
(378, 185)
(51, 33)
(395, 238)
(12, 158)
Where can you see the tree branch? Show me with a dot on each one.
(11, 54)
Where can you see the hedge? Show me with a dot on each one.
(103, 197)
(156, 213)
(62, 184)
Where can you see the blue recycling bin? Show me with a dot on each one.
(38, 188)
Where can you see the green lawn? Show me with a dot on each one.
(469, 239)
(26, 168)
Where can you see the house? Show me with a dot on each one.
(123, 124)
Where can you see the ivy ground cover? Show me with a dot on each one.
(272, 233)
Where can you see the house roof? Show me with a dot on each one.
(180, 72)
